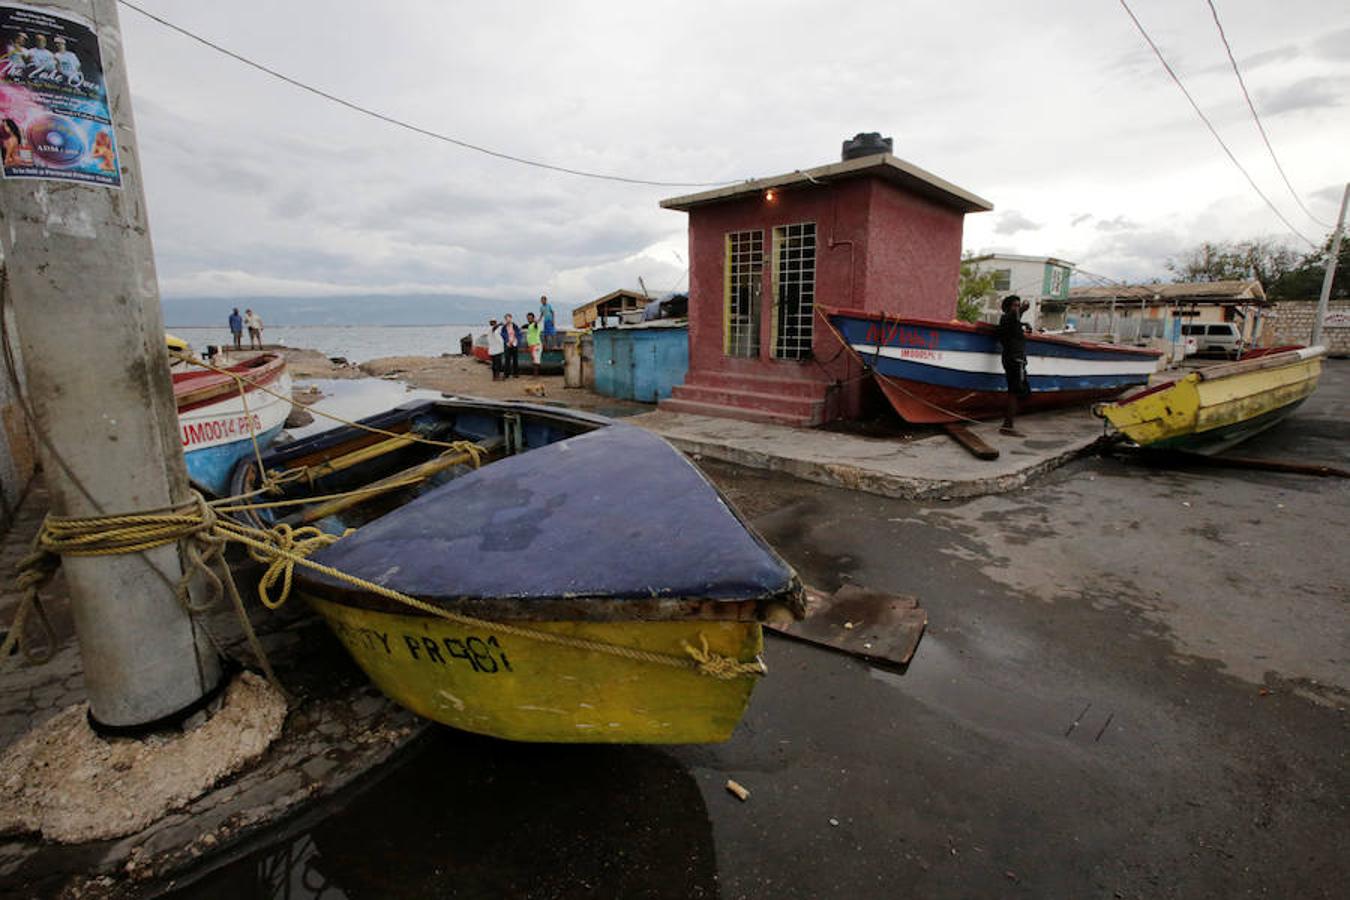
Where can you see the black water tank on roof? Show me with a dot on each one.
(867, 144)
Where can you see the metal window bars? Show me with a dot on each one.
(795, 290)
(745, 273)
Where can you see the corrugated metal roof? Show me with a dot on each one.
(1200, 291)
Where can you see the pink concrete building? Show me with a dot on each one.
(872, 232)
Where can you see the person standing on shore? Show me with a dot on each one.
(510, 348)
(1012, 335)
(237, 328)
(534, 341)
(495, 348)
(550, 329)
(253, 322)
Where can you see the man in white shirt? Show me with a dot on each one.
(495, 348)
(41, 62)
(253, 322)
(68, 63)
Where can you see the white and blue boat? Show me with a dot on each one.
(215, 427)
(936, 372)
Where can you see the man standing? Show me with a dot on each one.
(253, 322)
(495, 348)
(510, 348)
(1012, 334)
(546, 316)
(533, 341)
(237, 328)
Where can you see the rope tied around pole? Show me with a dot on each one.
(205, 535)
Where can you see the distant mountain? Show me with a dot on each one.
(382, 309)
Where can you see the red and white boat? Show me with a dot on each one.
(216, 429)
(934, 372)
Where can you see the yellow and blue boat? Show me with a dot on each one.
(1212, 409)
(583, 550)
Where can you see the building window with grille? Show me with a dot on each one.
(794, 253)
(1003, 279)
(744, 280)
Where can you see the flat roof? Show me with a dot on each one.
(878, 165)
(1186, 292)
(1018, 258)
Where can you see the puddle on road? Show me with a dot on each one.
(470, 816)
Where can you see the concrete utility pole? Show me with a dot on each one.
(1327, 279)
(86, 306)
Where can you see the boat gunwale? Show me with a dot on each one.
(985, 328)
(256, 372)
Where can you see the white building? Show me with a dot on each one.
(1042, 281)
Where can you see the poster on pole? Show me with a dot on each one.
(54, 120)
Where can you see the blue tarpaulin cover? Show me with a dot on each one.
(615, 513)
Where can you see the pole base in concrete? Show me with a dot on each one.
(71, 784)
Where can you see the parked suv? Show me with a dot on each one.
(1214, 337)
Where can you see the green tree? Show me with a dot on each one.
(1304, 281)
(1259, 259)
(973, 287)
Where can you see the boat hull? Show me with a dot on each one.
(519, 689)
(934, 372)
(215, 429)
(1210, 411)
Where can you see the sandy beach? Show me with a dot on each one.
(462, 375)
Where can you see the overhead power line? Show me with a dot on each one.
(1199, 112)
(365, 110)
(1256, 118)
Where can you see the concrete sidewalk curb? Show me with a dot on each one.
(877, 466)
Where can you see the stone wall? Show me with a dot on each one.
(1291, 321)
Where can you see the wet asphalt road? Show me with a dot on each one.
(1134, 684)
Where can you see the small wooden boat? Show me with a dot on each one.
(215, 428)
(573, 526)
(1211, 409)
(934, 372)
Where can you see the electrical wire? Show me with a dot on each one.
(1257, 119)
(1212, 130)
(364, 110)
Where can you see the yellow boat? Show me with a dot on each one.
(598, 587)
(1210, 410)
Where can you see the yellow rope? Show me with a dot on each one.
(282, 548)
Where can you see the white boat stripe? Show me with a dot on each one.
(991, 364)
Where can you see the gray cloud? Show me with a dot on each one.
(1256, 60)
(1334, 45)
(1119, 223)
(1013, 221)
(1306, 93)
(1079, 219)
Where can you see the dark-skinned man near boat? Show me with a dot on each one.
(1012, 335)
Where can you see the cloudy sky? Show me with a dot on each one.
(1057, 112)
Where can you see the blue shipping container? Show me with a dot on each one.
(641, 362)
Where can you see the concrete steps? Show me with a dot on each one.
(677, 405)
(778, 401)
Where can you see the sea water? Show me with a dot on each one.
(356, 343)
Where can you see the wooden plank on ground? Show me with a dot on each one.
(970, 440)
(872, 625)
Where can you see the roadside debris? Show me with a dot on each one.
(872, 625)
(736, 789)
